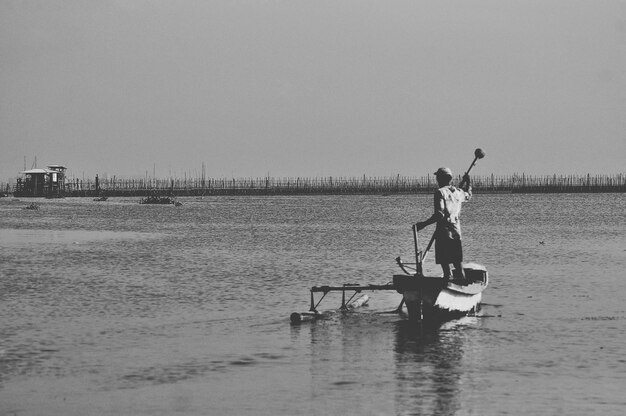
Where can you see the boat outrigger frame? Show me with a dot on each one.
(412, 269)
(345, 304)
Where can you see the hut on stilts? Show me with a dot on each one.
(39, 182)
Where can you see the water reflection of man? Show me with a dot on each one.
(429, 368)
(448, 200)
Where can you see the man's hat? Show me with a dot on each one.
(444, 172)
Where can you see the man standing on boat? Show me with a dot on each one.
(448, 200)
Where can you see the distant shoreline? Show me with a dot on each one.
(268, 186)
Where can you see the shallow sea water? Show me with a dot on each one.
(117, 308)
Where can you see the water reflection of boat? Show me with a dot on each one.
(386, 365)
(428, 368)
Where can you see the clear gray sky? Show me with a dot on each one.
(312, 88)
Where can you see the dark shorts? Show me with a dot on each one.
(448, 250)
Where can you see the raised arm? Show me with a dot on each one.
(466, 185)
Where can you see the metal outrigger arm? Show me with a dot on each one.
(354, 287)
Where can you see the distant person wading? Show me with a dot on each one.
(448, 200)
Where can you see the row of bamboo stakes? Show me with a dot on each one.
(523, 183)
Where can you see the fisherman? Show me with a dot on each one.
(448, 200)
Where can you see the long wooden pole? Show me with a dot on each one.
(430, 244)
(417, 253)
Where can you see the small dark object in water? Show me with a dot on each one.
(102, 198)
(32, 206)
(160, 200)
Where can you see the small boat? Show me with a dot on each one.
(427, 298)
(160, 200)
(437, 299)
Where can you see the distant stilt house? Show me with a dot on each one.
(49, 183)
